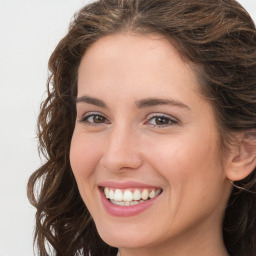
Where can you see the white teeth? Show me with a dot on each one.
(118, 195)
(127, 197)
(117, 203)
(152, 194)
(144, 194)
(136, 195)
(111, 194)
(126, 203)
(106, 192)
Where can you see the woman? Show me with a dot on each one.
(149, 131)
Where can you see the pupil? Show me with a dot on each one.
(98, 119)
(161, 120)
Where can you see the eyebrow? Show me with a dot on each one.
(144, 103)
(151, 102)
(92, 101)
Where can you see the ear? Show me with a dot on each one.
(242, 160)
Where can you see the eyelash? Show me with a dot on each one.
(169, 121)
(85, 119)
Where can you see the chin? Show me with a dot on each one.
(123, 238)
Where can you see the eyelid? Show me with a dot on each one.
(92, 113)
(173, 120)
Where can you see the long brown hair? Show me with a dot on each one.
(218, 37)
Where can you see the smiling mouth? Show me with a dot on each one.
(129, 197)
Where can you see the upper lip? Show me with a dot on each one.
(125, 185)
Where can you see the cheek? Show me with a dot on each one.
(84, 155)
(185, 160)
(194, 179)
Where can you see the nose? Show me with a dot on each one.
(122, 151)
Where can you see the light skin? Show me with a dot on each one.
(125, 82)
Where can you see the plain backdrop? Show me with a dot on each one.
(29, 31)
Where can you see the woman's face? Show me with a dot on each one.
(146, 136)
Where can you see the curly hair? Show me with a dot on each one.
(218, 37)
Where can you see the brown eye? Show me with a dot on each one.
(98, 119)
(94, 119)
(162, 120)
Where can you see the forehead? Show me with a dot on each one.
(128, 58)
(124, 43)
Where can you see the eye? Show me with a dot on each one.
(161, 120)
(94, 119)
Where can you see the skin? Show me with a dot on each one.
(128, 142)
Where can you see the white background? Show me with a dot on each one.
(29, 31)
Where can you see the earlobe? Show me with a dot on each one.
(242, 160)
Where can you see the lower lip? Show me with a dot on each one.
(125, 211)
